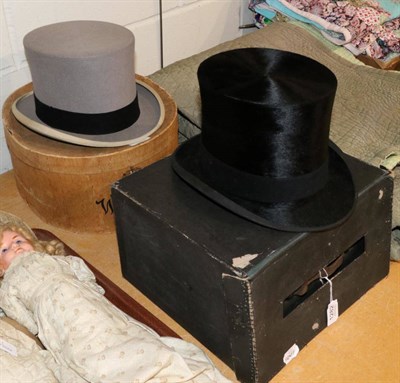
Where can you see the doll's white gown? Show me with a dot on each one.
(57, 298)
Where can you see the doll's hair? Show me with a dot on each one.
(53, 247)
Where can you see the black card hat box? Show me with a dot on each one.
(251, 294)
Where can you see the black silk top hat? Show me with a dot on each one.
(84, 86)
(264, 151)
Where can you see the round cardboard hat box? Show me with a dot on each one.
(68, 185)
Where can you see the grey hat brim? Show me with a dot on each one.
(152, 113)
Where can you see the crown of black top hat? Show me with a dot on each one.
(264, 150)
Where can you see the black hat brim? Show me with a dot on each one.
(326, 209)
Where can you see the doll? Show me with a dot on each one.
(11, 223)
(57, 298)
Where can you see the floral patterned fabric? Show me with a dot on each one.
(362, 26)
(57, 298)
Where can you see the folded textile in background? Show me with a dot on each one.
(367, 27)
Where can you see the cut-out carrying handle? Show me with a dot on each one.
(329, 270)
(309, 287)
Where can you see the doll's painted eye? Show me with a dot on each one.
(4, 250)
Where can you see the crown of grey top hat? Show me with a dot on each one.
(84, 87)
(87, 64)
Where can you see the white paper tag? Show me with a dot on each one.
(291, 353)
(332, 312)
(8, 347)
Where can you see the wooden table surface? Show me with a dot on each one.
(362, 346)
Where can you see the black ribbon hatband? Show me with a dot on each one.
(236, 182)
(86, 123)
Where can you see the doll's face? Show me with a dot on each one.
(12, 245)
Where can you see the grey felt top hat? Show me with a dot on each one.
(84, 86)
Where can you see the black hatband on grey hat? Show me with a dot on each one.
(264, 151)
(84, 86)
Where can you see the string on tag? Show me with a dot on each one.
(326, 277)
(332, 312)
